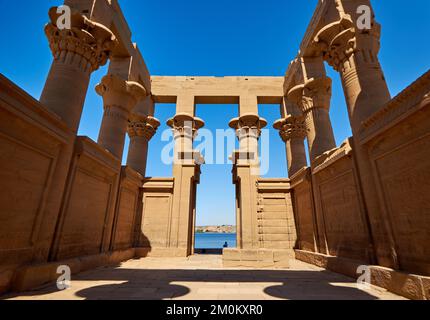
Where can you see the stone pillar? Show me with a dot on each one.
(245, 175)
(119, 97)
(314, 99)
(186, 172)
(77, 53)
(293, 132)
(354, 54)
(141, 129)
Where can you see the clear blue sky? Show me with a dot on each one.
(216, 38)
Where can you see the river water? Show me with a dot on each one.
(215, 240)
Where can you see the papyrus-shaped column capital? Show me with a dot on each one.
(120, 93)
(119, 97)
(293, 131)
(315, 93)
(87, 44)
(291, 127)
(185, 129)
(77, 52)
(248, 125)
(142, 126)
(141, 129)
(338, 41)
(185, 125)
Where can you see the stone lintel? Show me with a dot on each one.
(218, 90)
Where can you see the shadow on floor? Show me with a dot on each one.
(148, 284)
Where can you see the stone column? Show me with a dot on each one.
(354, 54)
(141, 129)
(77, 53)
(245, 174)
(314, 99)
(186, 172)
(119, 97)
(293, 132)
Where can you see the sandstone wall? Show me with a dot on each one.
(339, 205)
(329, 204)
(155, 223)
(128, 210)
(34, 150)
(398, 140)
(304, 210)
(93, 211)
(275, 215)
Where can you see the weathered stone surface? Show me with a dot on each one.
(66, 199)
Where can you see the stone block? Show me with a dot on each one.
(426, 287)
(231, 254)
(6, 276)
(407, 285)
(117, 257)
(31, 277)
(92, 262)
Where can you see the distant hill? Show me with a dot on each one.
(216, 229)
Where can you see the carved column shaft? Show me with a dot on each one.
(292, 130)
(354, 53)
(77, 53)
(141, 128)
(314, 99)
(119, 98)
(320, 134)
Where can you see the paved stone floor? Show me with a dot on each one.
(204, 278)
